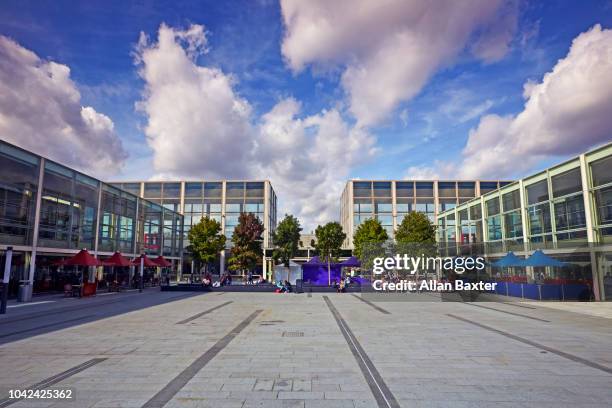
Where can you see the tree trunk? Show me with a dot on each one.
(329, 269)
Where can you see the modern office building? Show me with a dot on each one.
(565, 210)
(390, 200)
(49, 212)
(222, 200)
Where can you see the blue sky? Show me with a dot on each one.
(97, 41)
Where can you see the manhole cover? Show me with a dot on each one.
(293, 334)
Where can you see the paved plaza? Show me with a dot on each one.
(218, 349)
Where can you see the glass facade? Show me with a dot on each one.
(74, 211)
(391, 201)
(68, 208)
(566, 209)
(19, 175)
(601, 191)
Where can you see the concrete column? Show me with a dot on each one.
(394, 204)
(524, 223)
(97, 232)
(222, 262)
(223, 199)
(457, 227)
(483, 221)
(266, 220)
(589, 210)
(351, 210)
(182, 198)
(136, 231)
(36, 222)
(436, 198)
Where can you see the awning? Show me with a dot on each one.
(148, 263)
(117, 260)
(539, 258)
(351, 262)
(314, 261)
(163, 262)
(509, 260)
(83, 258)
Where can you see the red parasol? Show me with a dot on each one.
(117, 260)
(161, 261)
(148, 263)
(83, 258)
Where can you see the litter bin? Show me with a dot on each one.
(25, 293)
(299, 286)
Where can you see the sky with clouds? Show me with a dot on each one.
(306, 93)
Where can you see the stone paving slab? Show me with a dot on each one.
(426, 358)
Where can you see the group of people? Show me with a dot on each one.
(226, 279)
(342, 284)
(284, 287)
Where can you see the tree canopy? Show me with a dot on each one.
(206, 240)
(416, 228)
(246, 240)
(369, 232)
(329, 240)
(286, 238)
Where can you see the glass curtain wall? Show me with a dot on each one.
(362, 202)
(466, 190)
(117, 221)
(18, 186)
(494, 225)
(383, 205)
(68, 209)
(513, 221)
(242, 197)
(601, 175)
(153, 221)
(425, 202)
(447, 195)
(404, 193)
(568, 205)
(538, 213)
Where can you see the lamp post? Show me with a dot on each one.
(141, 285)
(6, 278)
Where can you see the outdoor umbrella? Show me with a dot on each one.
(351, 262)
(148, 262)
(539, 258)
(117, 260)
(509, 260)
(161, 261)
(83, 258)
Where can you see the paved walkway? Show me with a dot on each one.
(336, 350)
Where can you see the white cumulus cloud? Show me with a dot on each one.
(199, 127)
(309, 159)
(387, 51)
(40, 110)
(565, 113)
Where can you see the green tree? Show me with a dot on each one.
(286, 238)
(246, 240)
(370, 232)
(206, 241)
(416, 236)
(329, 241)
(416, 228)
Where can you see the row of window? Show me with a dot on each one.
(447, 189)
(69, 206)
